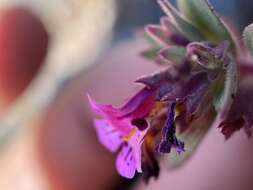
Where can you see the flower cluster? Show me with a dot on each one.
(205, 79)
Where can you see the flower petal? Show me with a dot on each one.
(125, 162)
(129, 159)
(101, 109)
(107, 135)
(123, 126)
(139, 105)
(136, 143)
(121, 119)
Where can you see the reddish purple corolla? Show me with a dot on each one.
(124, 129)
(206, 78)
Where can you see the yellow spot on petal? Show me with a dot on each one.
(131, 134)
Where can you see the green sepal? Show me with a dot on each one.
(181, 24)
(224, 99)
(151, 53)
(174, 54)
(203, 16)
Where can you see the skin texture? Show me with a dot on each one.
(72, 158)
(23, 47)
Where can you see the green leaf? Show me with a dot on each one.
(181, 24)
(248, 37)
(174, 54)
(203, 16)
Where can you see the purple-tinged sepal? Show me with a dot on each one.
(166, 35)
(207, 56)
(173, 55)
(192, 138)
(182, 25)
(241, 113)
(169, 139)
(162, 36)
(159, 34)
(180, 85)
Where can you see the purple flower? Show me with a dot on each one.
(204, 81)
(124, 129)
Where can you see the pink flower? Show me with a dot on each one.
(124, 129)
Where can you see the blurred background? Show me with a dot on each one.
(51, 54)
